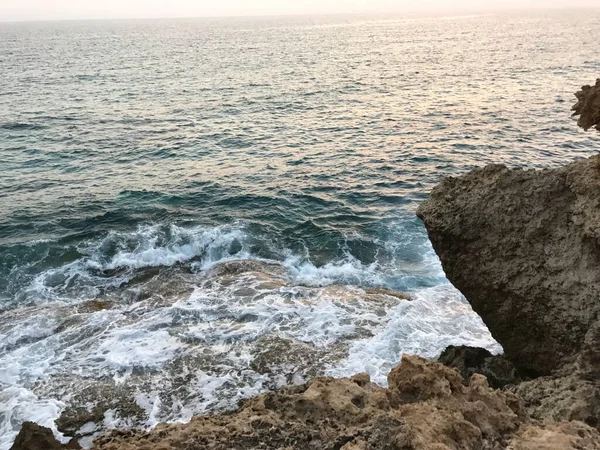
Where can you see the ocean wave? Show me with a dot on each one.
(110, 262)
(66, 271)
(345, 271)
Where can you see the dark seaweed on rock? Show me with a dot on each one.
(498, 370)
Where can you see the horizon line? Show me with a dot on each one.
(460, 12)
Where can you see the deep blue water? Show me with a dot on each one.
(175, 144)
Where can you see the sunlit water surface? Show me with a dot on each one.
(138, 155)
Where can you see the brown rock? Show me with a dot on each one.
(555, 436)
(426, 407)
(588, 106)
(35, 437)
(523, 246)
(388, 292)
(561, 398)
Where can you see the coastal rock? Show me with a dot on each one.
(561, 398)
(588, 106)
(35, 437)
(556, 436)
(523, 246)
(470, 360)
(426, 406)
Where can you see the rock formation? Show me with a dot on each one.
(470, 360)
(425, 407)
(523, 246)
(588, 106)
(35, 437)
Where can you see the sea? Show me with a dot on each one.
(195, 211)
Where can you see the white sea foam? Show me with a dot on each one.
(436, 318)
(180, 244)
(121, 350)
(123, 252)
(346, 271)
(211, 337)
(18, 405)
(226, 327)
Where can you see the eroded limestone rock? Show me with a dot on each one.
(523, 246)
(426, 407)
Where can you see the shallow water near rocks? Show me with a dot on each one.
(140, 156)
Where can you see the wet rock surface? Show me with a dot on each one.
(470, 360)
(35, 437)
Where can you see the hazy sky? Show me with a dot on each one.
(78, 9)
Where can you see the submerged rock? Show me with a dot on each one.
(523, 246)
(588, 106)
(425, 407)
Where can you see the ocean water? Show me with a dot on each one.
(137, 157)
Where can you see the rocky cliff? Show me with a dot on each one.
(523, 246)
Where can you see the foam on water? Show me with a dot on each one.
(155, 246)
(121, 350)
(18, 405)
(347, 271)
(175, 353)
(436, 318)
(112, 261)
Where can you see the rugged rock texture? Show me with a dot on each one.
(35, 437)
(470, 360)
(561, 398)
(588, 106)
(523, 246)
(426, 407)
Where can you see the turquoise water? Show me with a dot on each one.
(137, 151)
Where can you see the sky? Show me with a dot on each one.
(14, 10)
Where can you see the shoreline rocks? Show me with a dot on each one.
(523, 246)
(426, 406)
